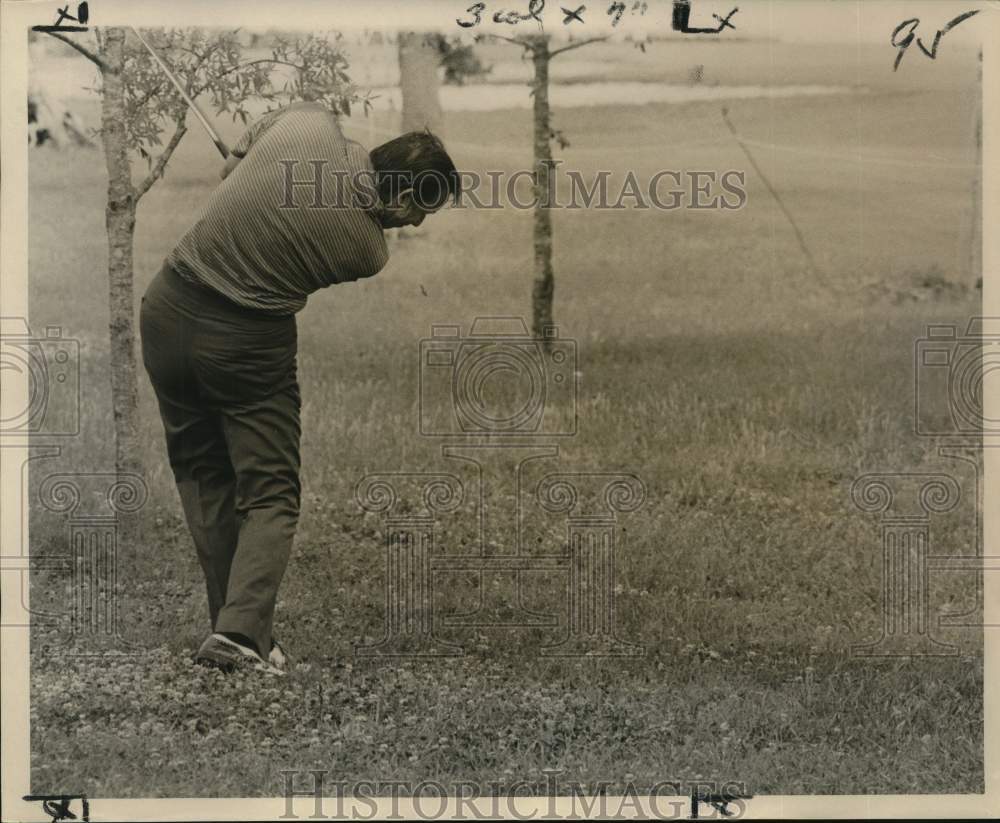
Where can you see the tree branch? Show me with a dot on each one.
(517, 41)
(191, 51)
(195, 92)
(93, 58)
(157, 171)
(577, 44)
(149, 95)
(192, 73)
(271, 60)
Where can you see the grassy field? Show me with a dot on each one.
(744, 392)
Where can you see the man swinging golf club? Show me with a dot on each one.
(300, 208)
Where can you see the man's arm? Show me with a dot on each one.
(256, 129)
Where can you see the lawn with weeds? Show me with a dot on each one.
(712, 364)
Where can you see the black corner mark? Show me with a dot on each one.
(81, 18)
(719, 802)
(682, 18)
(910, 28)
(82, 14)
(57, 806)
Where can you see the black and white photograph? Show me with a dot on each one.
(422, 409)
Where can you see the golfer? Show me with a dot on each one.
(300, 208)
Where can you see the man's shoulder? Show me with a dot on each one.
(304, 116)
(306, 106)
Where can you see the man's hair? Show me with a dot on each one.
(416, 160)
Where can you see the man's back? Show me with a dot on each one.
(265, 244)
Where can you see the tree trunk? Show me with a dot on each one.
(544, 285)
(120, 222)
(419, 82)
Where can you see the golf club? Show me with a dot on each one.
(223, 149)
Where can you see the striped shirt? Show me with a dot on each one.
(298, 213)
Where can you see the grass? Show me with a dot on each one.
(713, 366)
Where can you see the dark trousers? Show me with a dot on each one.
(225, 379)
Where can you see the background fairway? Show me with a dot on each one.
(744, 392)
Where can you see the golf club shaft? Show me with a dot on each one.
(223, 149)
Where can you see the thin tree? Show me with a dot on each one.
(423, 58)
(538, 48)
(138, 107)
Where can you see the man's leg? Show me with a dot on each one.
(238, 469)
(263, 439)
(196, 446)
(207, 487)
